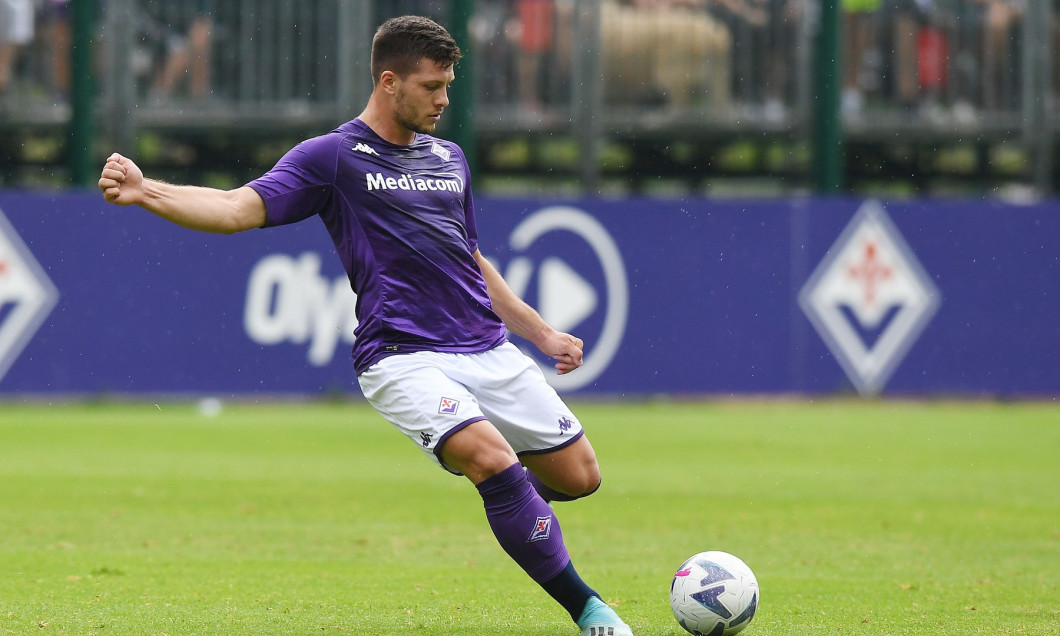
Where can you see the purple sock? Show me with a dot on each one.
(524, 524)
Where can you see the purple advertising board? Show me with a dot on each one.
(808, 296)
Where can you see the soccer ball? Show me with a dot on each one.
(714, 594)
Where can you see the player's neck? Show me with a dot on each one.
(375, 117)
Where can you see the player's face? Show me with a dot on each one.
(421, 96)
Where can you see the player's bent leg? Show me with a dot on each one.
(569, 473)
(524, 524)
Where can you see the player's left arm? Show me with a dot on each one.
(524, 321)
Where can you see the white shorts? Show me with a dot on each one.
(16, 21)
(429, 396)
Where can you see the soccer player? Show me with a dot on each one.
(431, 354)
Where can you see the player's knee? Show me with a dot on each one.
(590, 488)
(483, 464)
(586, 484)
(478, 451)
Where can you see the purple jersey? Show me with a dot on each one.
(403, 222)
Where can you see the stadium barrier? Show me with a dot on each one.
(807, 296)
(937, 94)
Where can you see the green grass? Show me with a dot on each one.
(858, 518)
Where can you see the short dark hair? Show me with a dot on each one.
(400, 43)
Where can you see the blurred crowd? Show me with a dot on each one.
(919, 57)
(930, 54)
(916, 56)
(173, 52)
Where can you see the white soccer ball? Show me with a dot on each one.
(714, 594)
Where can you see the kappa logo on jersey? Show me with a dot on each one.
(541, 529)
(448, 406)
(564, 424)
(27, 295)
(366, 149)
(869, 299)
(440, 150)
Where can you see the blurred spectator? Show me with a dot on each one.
(189, 57)
(493, 52)
(904, 21)
(932, 54)
(920, 41)
(964, 25)
(782, 40)
(1055, 48)
(859, 43)
(16, 31)
(667, 51)
(765, 31)
(55, 29)
(747, 22)
(533, 31)
(1000, 62)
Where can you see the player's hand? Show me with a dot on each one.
(121, 181)
(565, 349)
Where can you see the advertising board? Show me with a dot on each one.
(806, 296)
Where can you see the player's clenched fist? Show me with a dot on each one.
(121, 181)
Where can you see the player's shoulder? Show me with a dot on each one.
(322, 147)
(352, 128)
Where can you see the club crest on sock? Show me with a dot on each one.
(541, 529)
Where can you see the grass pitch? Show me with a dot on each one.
(857, 517)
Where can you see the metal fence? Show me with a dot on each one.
(588, 70)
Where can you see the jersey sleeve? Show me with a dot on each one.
(301, 183)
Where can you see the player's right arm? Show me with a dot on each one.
(194, 207)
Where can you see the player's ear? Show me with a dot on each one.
(388, 80)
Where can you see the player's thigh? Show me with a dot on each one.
(514, 395)
(538, 424)
(415, 393)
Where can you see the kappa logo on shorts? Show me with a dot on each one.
(448, 406)
(541, 529)
(564, 424)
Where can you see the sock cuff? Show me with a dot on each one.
(503, 481)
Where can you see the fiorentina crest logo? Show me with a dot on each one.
(448, 406)
(27, 295)
(869, 299)
(440, 150)
(542, 529)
